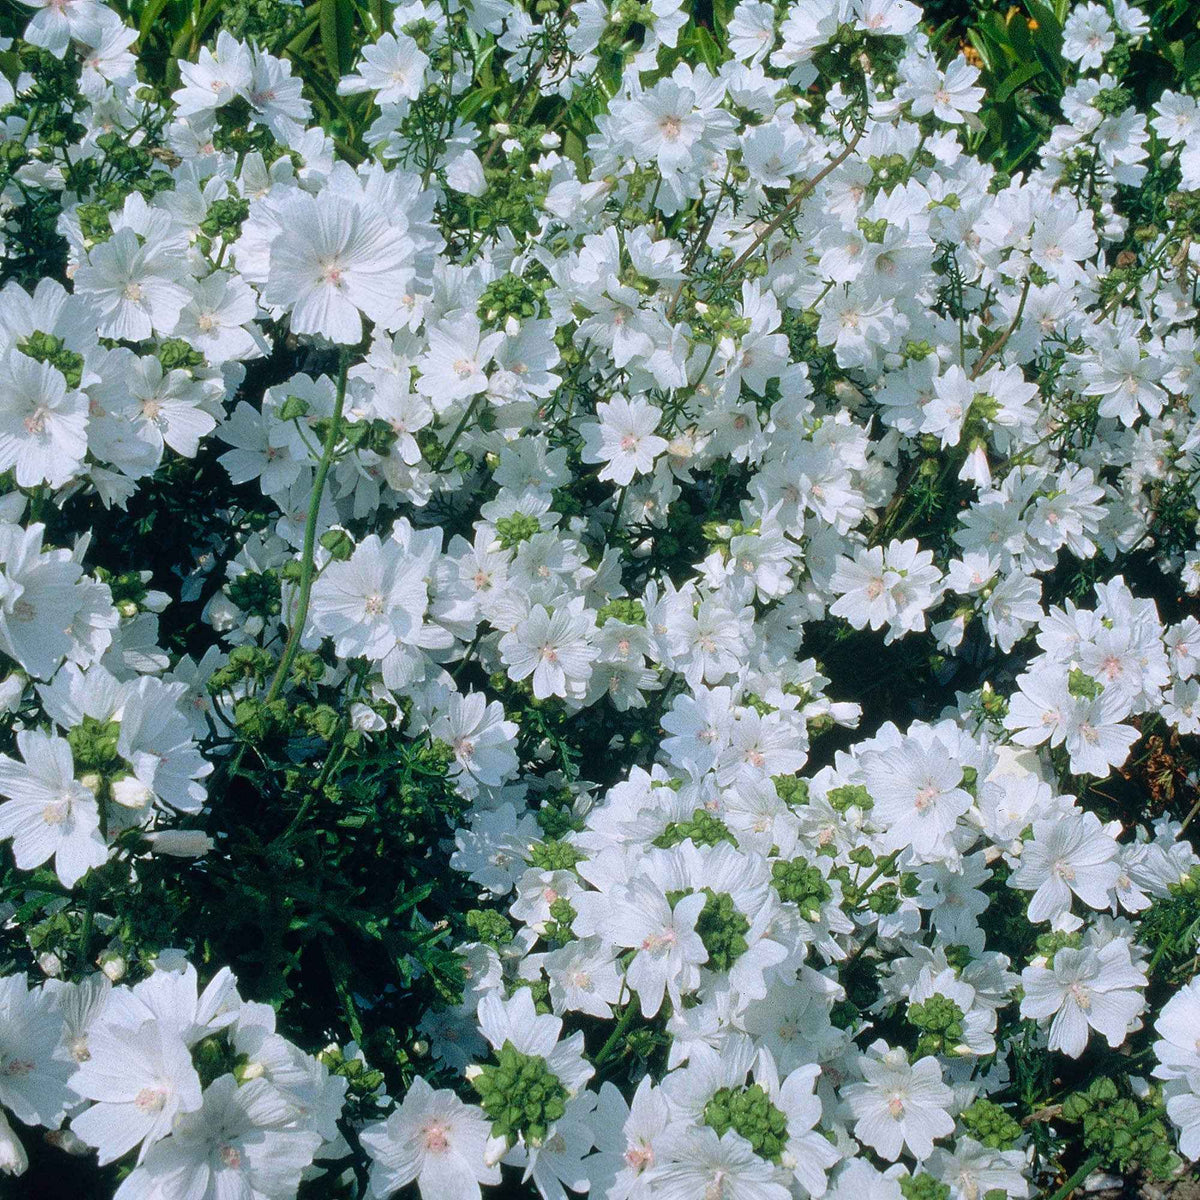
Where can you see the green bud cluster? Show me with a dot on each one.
(720, 926)
(990, 1125)
(1111, 100)
(791, 789)
(1049, 944)
(224, 218)
(873, 231)
(363, 1081)
(246, 664)
(521, 1095)
(749, 1111)
(490, 927)
(850, 795)
(704, 829)
(802, 885)
(257, 593)
(94, 744)
(630, 612)
(554, 855)
(45, 347)
(515, 529)
(562, 918)
(339, 544)
(511, 296)
(885, 899)
(257, 719)
(941, 1023)
(1115, 1126)
(176, 355)
(924, 1187)
(94, 223)
(213, 1057)
(319, 720)
(1083, 685)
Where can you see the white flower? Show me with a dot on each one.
(434, 1138)
(917, 793)
(947, 96)
(1178, 1027)
(334, 262)
(667, 948)
(373, 601)
(48, 812)
(552, 647)
(57, 21)
(694, 1162)
(393, 68)
(34, 1064)
(484, 743)
(900, 1104)
(42, 423)
(454, 367)
(1070, 853)
(1082, 990)
(13, 1159)
(624, 439)
(1087, 36)
(141, 1078)
(136, 287)
(243, 1141)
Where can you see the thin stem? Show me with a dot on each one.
(631, 1011)
(300, 615)
(806, 190)
(437, 466)
(999, 344)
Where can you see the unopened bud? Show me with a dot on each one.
(13, 1159)
(113, 965)
(180, 843)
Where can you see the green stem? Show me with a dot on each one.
(883, 865)
(300, 615)
(631, 1011)
(85, 931)
(437, 466)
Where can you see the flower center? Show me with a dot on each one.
(671, 128)
(434, 1137)
(150, 1099)
(56, 812)
(36, 421)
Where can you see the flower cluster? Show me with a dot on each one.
(634, 530)
(195, 1085)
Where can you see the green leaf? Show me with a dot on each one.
(150, 16)
(474, 101)
(708, 48)
(1015, 79)
(337, 31)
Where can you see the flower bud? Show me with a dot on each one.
(13, 1159)
(113, 965)
(130, 792)
(249, 1071)
(180, 843)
